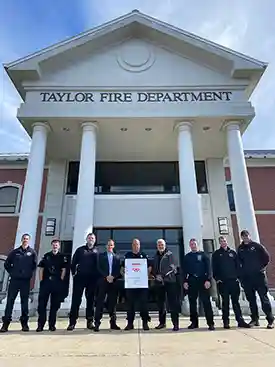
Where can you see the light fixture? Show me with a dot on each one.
(66, 129)
(148, 129)
(50, 227)
(206, 128)
(223, 225)
(124, 129)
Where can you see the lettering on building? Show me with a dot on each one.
(136, 97)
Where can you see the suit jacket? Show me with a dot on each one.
(103, 266)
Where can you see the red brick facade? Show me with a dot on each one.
(262, 183)
(8, 223)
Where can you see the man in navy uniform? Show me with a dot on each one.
(254, 258)
(197, 282)
(85, 276)
(226, 271)
(20, 264)
(51, 274)
(109, 272)
(137, 298)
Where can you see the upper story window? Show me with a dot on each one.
(9, 198)
(230, 195)
(3, 274)
(136, 177)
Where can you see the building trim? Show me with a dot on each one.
(11, 215)
(18, 200)
(260, 212)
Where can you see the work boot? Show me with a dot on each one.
(211, 327)
(90, 325)
(52, 328)
(39, 329)
(96, 328)
(244, 325)
(226, 325)
(5, 327)
(129, 326)
(71, 327)
(193, 326)
(114, 326)
(25, 327)
(254, 323)
(270, 324)
(160, 326)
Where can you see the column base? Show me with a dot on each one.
(16, 313)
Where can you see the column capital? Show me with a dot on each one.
(232, 124)
(42, 126)
(183, 125)
(89, 126)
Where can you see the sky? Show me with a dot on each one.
(246, 26)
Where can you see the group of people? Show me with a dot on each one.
(98, 273)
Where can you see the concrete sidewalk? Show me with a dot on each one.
(81, 348)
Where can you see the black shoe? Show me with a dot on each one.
(160, 326)
(52, 328)
(193, 326)
(145, 326)
(244, 325)
(211, 327)
(114, 326)
(4, 328)
(226, 326)
(270, 325)
(129, 327)
(176, 328)
(254, 323)
(71, 327)
(90, 325)
(25, 328)
(96, 328)
(39, 329)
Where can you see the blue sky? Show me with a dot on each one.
(247, 26)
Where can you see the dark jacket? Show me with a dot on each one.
(53, 264)
(103, 266)
(196, 265)
(84, 262)
(253, 258)
(165, 266)
(225, 265)
(21, 263)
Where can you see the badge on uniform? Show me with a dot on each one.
(231, 255)
(29, 253)
(252, 248)
(199, 257)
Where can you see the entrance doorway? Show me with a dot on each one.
(123, 240)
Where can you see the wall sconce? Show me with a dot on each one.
(50, 227)
(223, 225)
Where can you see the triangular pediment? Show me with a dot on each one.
(98, 54)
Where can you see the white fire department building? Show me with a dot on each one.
(130, 124)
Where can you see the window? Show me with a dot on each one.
(3, 274)
(230, 195)
(9, 195)
(136, 177)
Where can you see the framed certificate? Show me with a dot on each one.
(136, 273)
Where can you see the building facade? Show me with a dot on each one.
(130, 124)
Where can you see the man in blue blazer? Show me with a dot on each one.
(109, 270)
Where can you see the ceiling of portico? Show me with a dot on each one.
(135, 139)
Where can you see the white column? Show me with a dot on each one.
(190, 202)
(33, 184)
(84, 213)
(242, 194)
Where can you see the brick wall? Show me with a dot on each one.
(8, 224)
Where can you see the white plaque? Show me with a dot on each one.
(136, 273)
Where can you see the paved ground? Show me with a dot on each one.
(81, 348)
